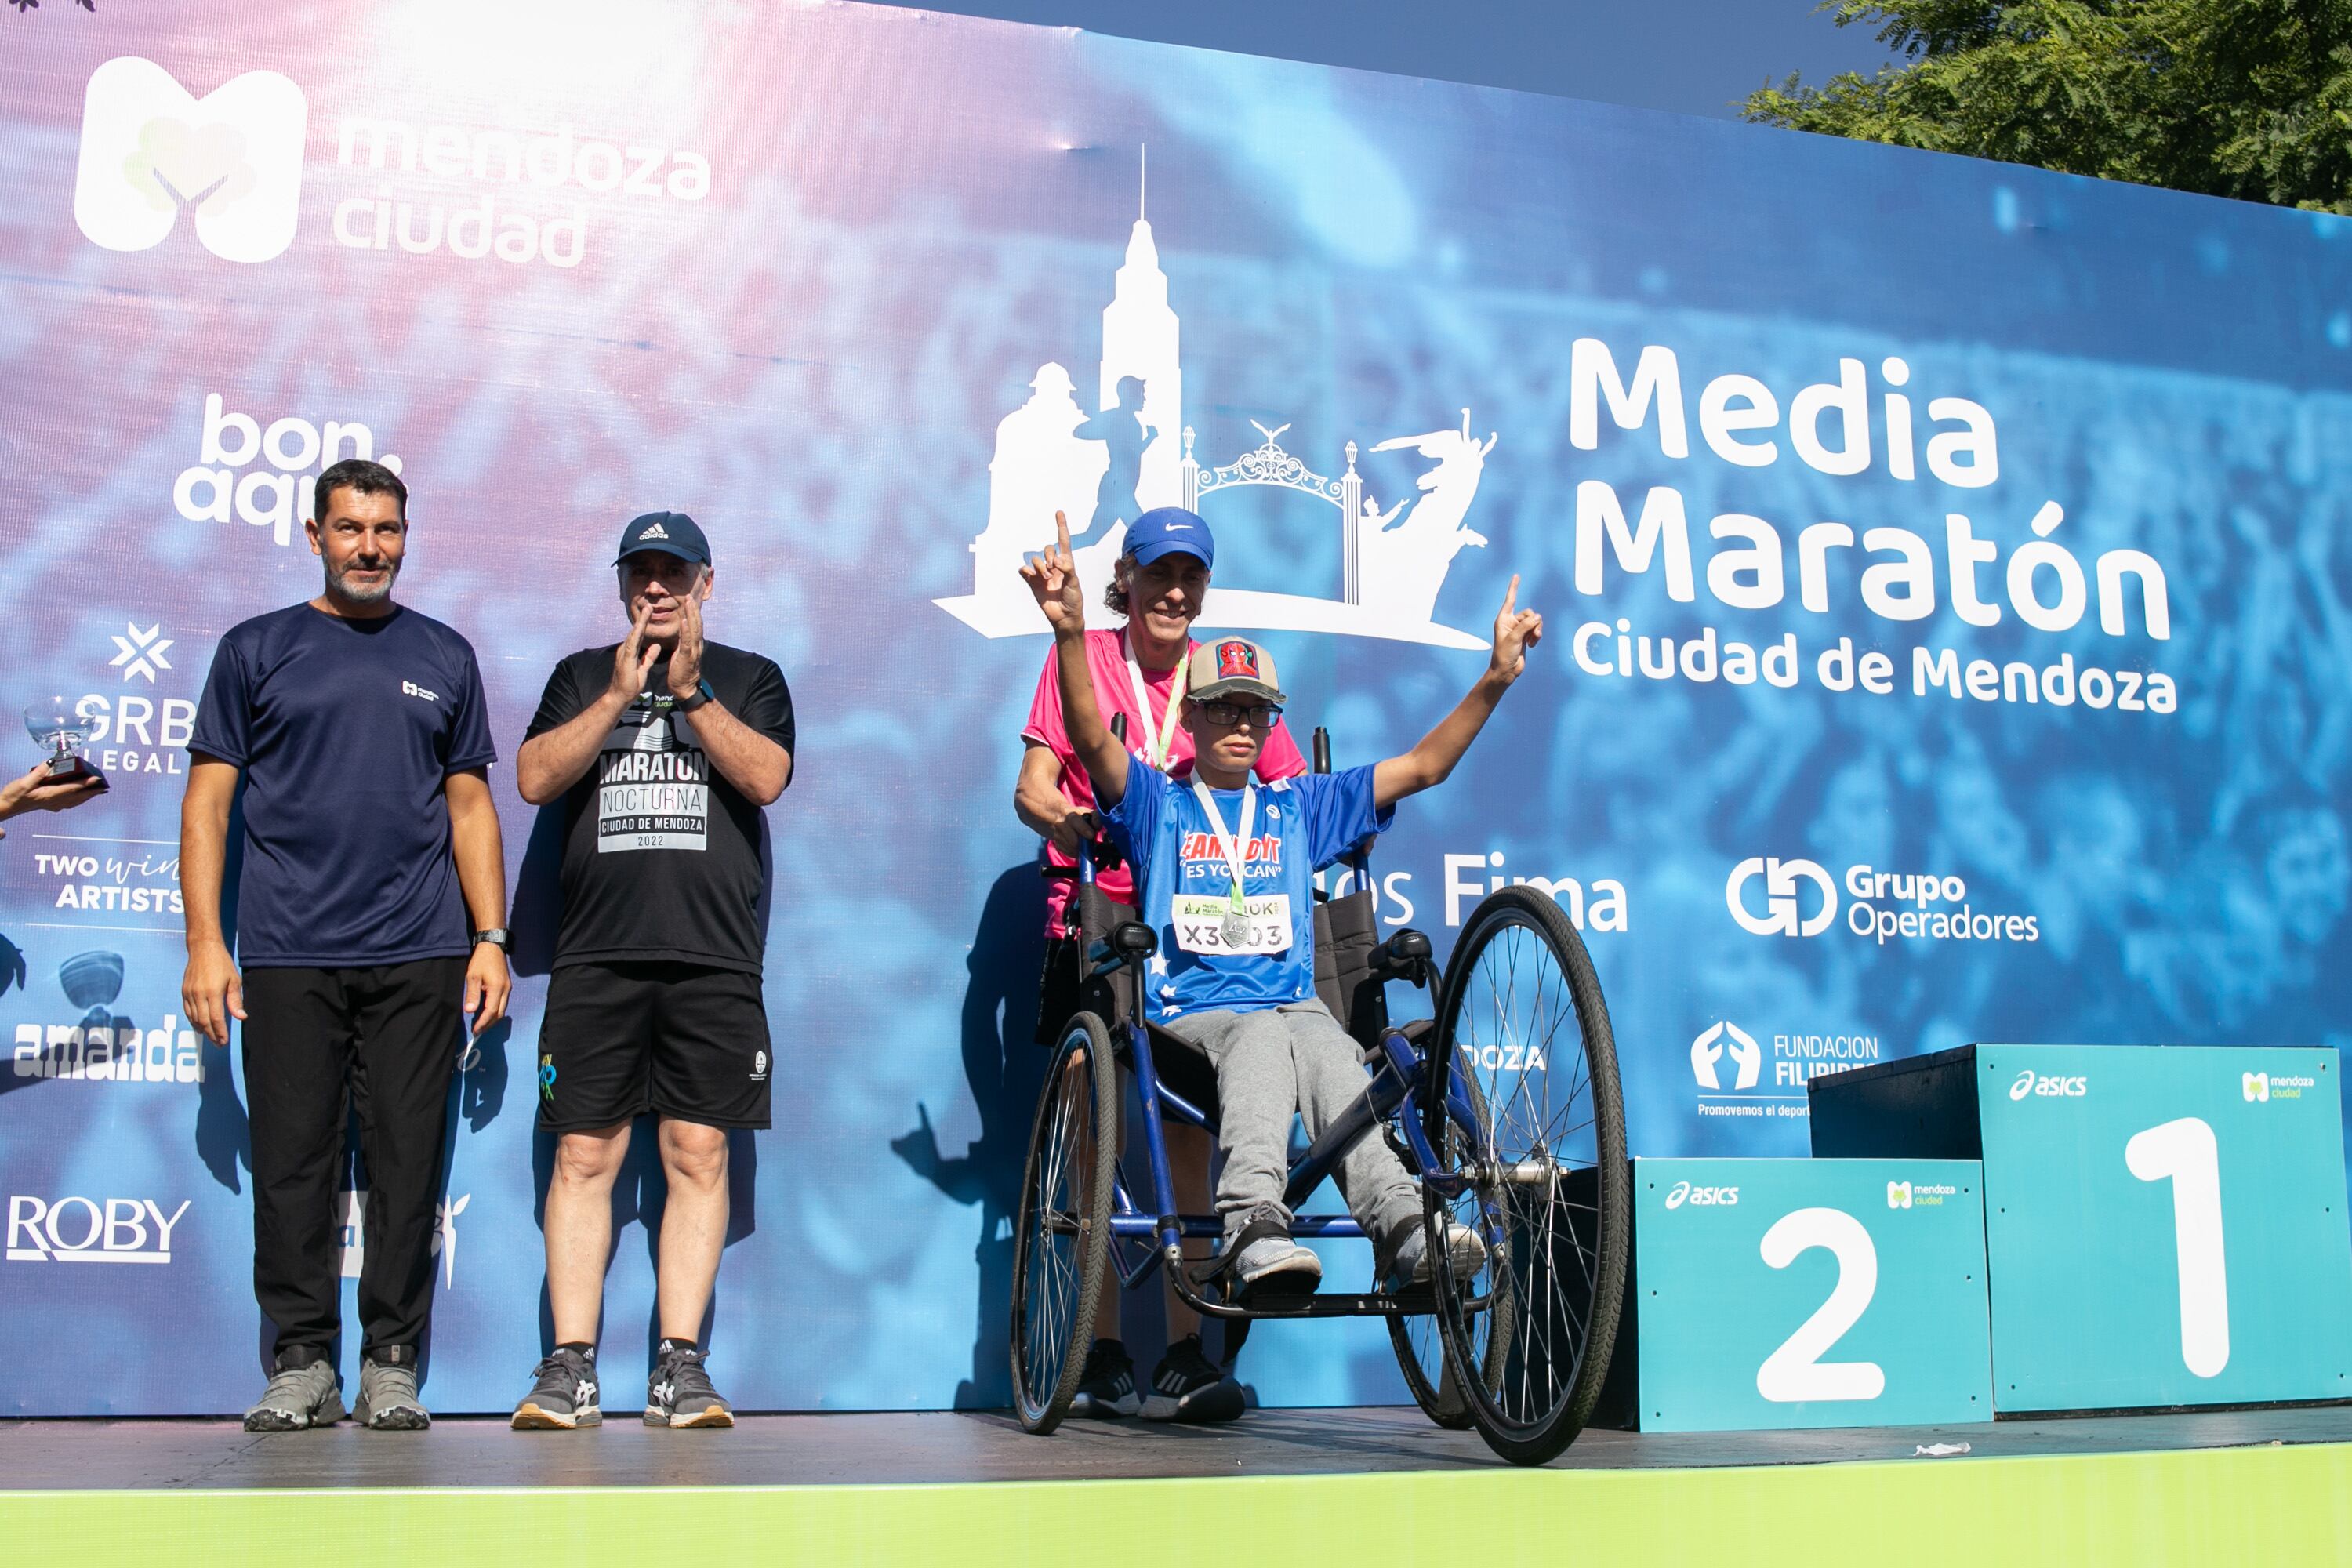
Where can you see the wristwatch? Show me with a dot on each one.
(496, 936)
(697, 697)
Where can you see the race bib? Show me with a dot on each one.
(1199, 920)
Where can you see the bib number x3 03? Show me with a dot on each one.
(1199, 920)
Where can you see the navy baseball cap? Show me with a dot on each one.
(1167, 529)
(671, 532)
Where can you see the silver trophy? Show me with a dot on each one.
(63, 732)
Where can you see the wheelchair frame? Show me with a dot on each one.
(1142, 1241)
(1525, 1340)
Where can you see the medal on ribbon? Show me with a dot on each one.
(1235, 927)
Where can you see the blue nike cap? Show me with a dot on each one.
(1167, 529)
(671, 532)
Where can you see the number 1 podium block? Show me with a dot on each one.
(2164, 1225)
(1785, 1293)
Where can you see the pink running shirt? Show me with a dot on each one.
(1107, 657)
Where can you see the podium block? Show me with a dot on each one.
(1785, 1293)
(2164, 1225)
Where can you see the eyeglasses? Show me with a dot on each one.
(1260, 715)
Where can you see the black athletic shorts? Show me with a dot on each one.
(681, 1040)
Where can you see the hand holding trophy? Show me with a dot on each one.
(62, 732)
(62, 779)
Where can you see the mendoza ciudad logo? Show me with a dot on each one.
(152, 151)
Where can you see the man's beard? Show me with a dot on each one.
(339, 584)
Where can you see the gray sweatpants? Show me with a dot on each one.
(1274, 1063)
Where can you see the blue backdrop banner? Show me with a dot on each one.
(1943, 563)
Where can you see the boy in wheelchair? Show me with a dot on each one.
(1225, 870)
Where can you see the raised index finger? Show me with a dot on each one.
(1061, 528)
(1511, 594)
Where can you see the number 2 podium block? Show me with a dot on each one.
(1781, 1293)
(2164, 1225)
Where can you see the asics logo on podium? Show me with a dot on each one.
(1709, 1048)
(1782, 902)
(90, 1231)
(1683, 1193)
(2049, 1087)
(151, 150)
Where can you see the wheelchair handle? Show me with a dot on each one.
(1100, 855)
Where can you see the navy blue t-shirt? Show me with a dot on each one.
(345, 730)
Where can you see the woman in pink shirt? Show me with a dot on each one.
(1161, 582)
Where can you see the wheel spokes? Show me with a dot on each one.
(1517, 1035)
(1058, 1209)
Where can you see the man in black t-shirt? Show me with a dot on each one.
(663, 748)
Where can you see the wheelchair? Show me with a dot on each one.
(1505, 1109)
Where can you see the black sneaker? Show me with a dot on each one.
(678, 1392)
(1188, 1386)
(1106, 1386)
(563, 1394)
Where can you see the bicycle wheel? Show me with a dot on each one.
(1418, 1339)
(1062, 1241)
(1521, 1017)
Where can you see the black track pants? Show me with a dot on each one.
(389, 1037)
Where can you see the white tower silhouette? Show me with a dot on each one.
(1140, 340)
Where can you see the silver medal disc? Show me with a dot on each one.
(1235, 928)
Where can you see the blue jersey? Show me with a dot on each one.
(1303, 825)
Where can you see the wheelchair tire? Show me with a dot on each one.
(1062, 1241)
(1520, 1015)
(1420, 1339)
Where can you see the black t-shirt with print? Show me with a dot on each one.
(661, 855)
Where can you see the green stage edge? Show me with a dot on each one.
(2282, 1506)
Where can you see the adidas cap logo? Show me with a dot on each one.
(655, 531)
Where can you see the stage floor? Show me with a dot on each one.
(945, 1448)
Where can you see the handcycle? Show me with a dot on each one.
(1504, 1107)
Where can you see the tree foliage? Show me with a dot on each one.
(2250, 99)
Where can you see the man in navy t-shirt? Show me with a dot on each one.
(1225, 869)
(371, 914)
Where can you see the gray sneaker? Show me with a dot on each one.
(1265, 1257)
(388, 1400)
(298, 1397)
(1414, 1263)
(563, 1394)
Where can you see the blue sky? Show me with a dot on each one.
(1694, 57)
